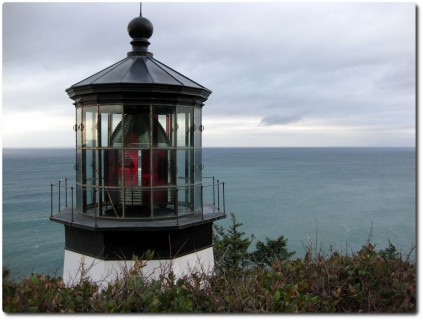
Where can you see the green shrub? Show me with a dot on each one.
(271, 251)
(231, 247)
(366, 281)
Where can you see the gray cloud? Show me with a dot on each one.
(283, 63)
(280, 119)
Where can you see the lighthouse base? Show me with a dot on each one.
(78, 266)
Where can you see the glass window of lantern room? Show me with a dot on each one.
(198, 164)
(184, 126)
(163, 126)
(78, 164)
(134, 167)
(78, 171)
(163, 140)
(110, 126)
(110, 142)
(89, 126)
(185, 167)
(185, 200)
(136, 129)
(197, 198)
(89, 177)
(87, 157)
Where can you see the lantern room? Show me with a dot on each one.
(138, 162)
(138, 137)
(139, 159)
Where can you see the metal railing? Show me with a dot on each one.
(61, 188)
(216, 185)
(63, 196)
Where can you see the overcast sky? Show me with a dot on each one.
(282, 74)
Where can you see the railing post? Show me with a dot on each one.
(95, 213)
(66, 192)
(214, 196)
(72, 203)
(59, 196)
(51, 199)
(223, 187)
(218, 195)
(202, 208)
(176, 207)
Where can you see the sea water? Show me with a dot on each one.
(334, 198)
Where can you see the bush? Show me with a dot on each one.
(231, 247)
(272, 251)
(367, 281)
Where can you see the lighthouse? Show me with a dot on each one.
(139, 185)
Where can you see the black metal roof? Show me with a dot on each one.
(139, 70)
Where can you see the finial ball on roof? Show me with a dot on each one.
(140, 27)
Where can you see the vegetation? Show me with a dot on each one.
(266, 280)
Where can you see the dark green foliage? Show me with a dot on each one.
(231, 247)
(391, 252)
(272, 251)
(42, 293)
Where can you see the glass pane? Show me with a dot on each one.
(89, 168)
(134, 197)
(209, 192)
(110, 160)
(89, 200)
(116, 130)
(104, 132)
(137, 202)
(130, 170)
(110, 119)
(197, 127)
(185, 168)
(136, 168)
(184, 120)
(185, 201)
(89, 126)
(163, 133)
(164, 167)
(197, 199)
(180, 169)
(164, 202)
(89, 195)
(111, 108)
(112, 204)
(78, 166)
(78, 197)
(136, 129)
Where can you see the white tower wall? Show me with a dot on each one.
(77, 265)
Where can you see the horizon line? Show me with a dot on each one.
(233, 147)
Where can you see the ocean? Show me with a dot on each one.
(335, 198)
